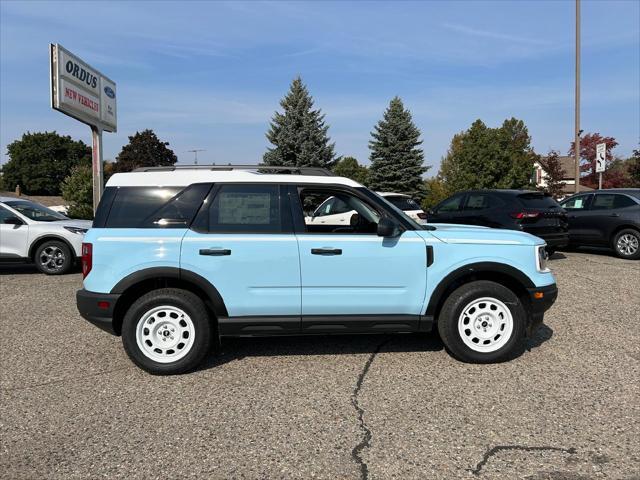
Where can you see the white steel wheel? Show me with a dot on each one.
(485, 324)
(165, 334)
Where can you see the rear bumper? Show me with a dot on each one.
(97, 308)
(540, 299)
(556, 240)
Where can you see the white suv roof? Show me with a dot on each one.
(184, 175)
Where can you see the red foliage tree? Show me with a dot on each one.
(588, 145)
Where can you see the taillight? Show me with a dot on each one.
(422, 216)
(87, 258)
(521, 215)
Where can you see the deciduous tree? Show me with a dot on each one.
(554, 173)
(396, 156)
(484, 157)
(588, 146)
(144, 149)
(350, 168)
(39, 161)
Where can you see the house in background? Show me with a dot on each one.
(568, 166)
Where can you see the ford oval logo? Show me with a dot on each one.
(109, 92)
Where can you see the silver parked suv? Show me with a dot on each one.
(33, 233)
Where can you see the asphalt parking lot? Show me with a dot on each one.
(567, 407)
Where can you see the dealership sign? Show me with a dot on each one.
(81, 91)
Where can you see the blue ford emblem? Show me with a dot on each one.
(109, 92)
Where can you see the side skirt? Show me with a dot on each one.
(322, 324)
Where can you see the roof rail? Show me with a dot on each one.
(269, 169)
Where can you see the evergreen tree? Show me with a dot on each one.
(144, 150)
(350, 168)
(299, 134)
(396, 159)
(77, 189)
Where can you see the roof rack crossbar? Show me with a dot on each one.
(319, 171)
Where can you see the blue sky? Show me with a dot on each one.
(209, 75)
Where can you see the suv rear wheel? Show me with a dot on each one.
(167, 331)
(481, 322)
(626, 243)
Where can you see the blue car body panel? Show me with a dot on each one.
(119, 252)
(372, 275)
(261, 276)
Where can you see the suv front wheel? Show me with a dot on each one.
(481, 322)
(167, 331)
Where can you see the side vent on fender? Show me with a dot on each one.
(429, 255)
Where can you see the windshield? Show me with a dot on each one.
(403, 203)
(35, 211)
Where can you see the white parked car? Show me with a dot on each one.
(334, 211)
(407, 204)
(33, 233)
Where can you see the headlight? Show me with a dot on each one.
(541, 259)
(78, 230)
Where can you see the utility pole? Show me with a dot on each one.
(576, 143)
(195, 152)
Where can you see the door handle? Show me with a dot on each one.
(614, 215)
(326, 251)
(215, 252)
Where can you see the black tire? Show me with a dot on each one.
(623, 248)
(184, 300)
(453, 308)
(53, 257)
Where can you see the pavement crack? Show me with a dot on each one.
(366, 437)
(63, 380)
(492, 451)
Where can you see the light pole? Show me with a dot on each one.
(195, 152)
(576, 144)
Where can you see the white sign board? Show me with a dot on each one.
(601, 155)
(81, 91)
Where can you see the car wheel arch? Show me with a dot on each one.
(141, 282)
(45, 238)
(503, 274)
(619, 228)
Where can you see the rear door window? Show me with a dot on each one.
(246, 209)
(576, 203)
(450, 205)
(481, 201)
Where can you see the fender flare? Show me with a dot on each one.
(50, 236)
(478, 267)
(207, 287)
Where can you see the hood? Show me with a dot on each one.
(72, 223)
(470, 234)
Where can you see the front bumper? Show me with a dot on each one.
(97, 308)
(540, 300)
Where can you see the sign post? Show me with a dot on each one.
(82, 92)
(601, 156)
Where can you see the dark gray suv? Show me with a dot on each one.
(606, 218)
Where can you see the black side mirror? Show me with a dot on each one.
(13, 221)
(388, 228)
(431, 211)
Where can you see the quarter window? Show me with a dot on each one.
(132, 205)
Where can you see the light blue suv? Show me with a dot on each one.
(179, 257)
